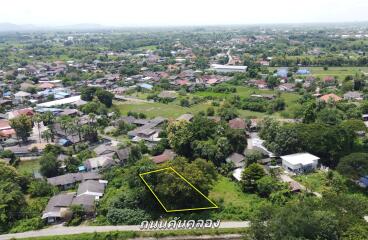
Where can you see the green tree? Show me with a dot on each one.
(22, 126)
(88, 93)
(12, 202)
(210, 111)
(49, 166)
(250, 176)
(105, 97)
(253, 156)
(78, 215)
(180, 137)
(267, 185)
(354, 165)
(40, 188)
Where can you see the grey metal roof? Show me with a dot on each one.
(71, 178)
(90, 186)
(86, 201)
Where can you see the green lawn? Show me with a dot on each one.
(29, 166)
(315, 181)
(233, 203)
(173, 110)
(339, 72)
(150, 47)
(170, 110)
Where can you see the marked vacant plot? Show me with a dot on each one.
(191, 198)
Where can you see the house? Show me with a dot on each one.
(282, 73)
(185, 117)
(88, 203)
(91, 187)
(237, 173)
(331, 96)
(148, 130)
(237, 159)
(300, 162)
(100, 162)
(70, 112)
(59, 102)
(123, 154)
(353, 95)
(6, 131)
(21, 97)
(164, 157)
(46, 85)
(237, 123)
(104, 149)
(68, 180)
(363, 181)
(286, 87)
(227, 68)
(329, 80)
(365, 117)
(57, 208)
(145, 86)
(260, 83)
(168, 94)
(119, 90)
(303, 72)
(17, 113)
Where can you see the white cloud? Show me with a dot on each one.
(173, 12)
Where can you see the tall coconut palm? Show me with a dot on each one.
(37, 118)
(48, 135)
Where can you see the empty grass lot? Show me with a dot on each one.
(233, 203)
(170, 110)
(29, 166)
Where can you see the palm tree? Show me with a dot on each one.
(37, 118)
(47, 135)
(76, 122)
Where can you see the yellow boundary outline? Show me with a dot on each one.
(176, 210)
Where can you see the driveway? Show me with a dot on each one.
(61, 230)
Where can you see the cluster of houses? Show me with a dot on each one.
(87, 182)
(90, 189)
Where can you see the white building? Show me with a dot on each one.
(300, 162)
(227, 68)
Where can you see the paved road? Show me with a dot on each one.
(61, 230)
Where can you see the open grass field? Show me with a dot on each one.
(314, 181)
(150, 47)
(29, 166)
(233, 203)
(173, 109)
(170, 110)
(339, 72)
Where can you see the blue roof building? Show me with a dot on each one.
(303, 72)
(6, 94)
(364, 181)
(64, 142)
(145, 86)
(282, 72)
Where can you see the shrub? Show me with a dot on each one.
(27, 225)
(126, 216)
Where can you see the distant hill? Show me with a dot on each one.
(10, 27)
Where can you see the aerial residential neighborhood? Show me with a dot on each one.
(108, 131)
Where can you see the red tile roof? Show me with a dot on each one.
(334, 97)
(165, 156)
(237, 123)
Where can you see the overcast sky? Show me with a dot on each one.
(183, 12)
